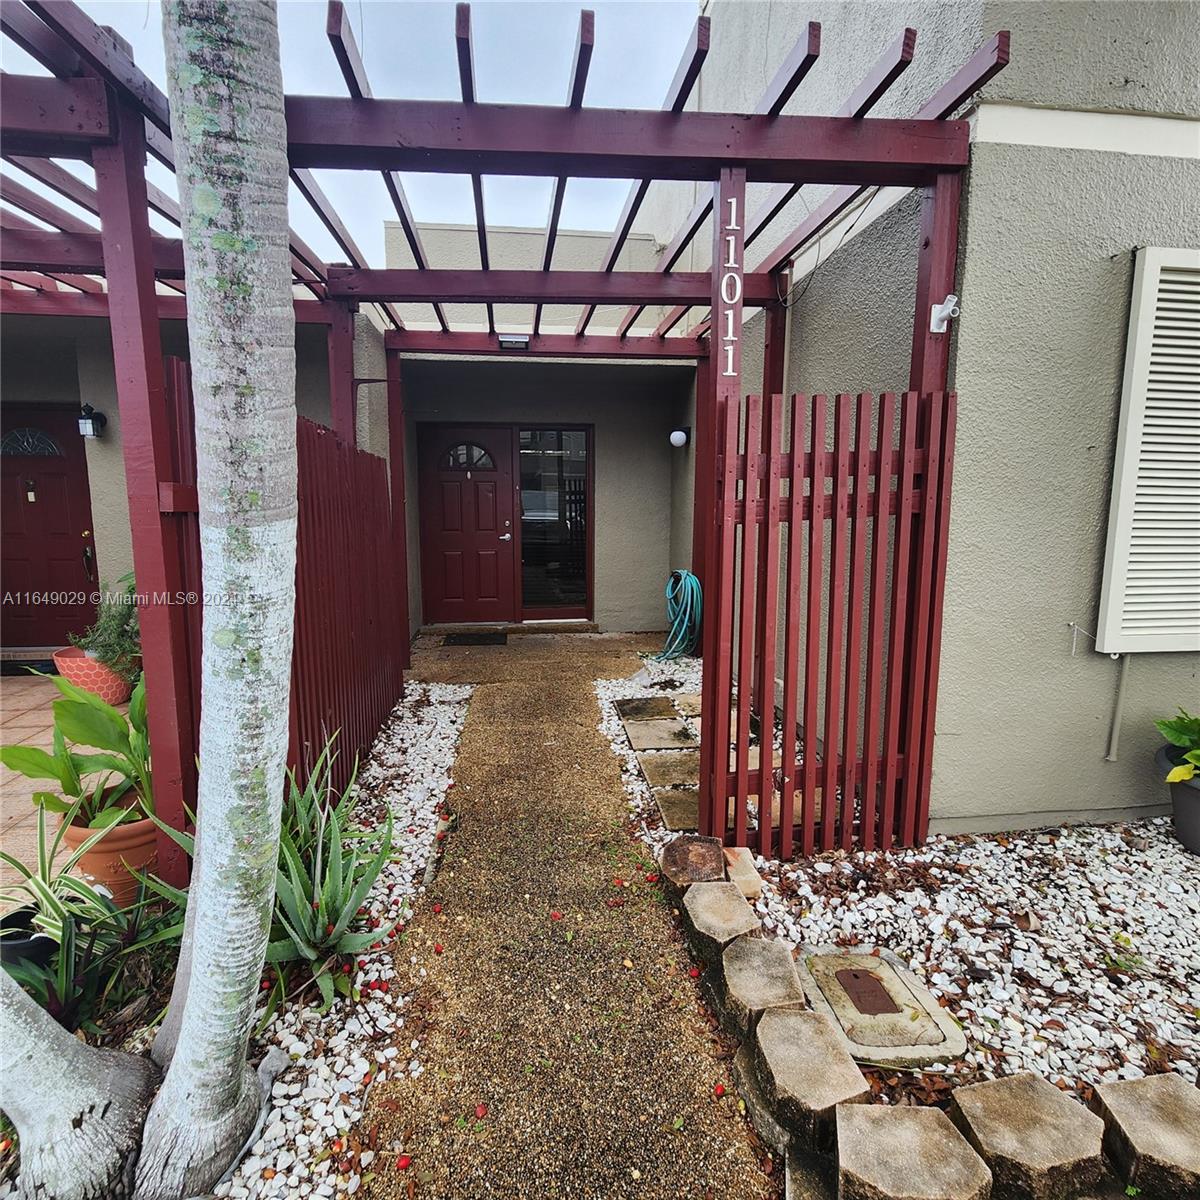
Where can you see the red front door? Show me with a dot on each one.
(468, 544)
(48, 557)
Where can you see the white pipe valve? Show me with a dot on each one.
(940, 314)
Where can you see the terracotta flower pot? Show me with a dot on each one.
(91, 675)
(133, 844)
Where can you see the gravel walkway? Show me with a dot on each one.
(566, 1050)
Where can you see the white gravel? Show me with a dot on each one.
(337, 1056)
(1073, 952)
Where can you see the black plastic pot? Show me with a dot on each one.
(1185, 801)
(20, 942)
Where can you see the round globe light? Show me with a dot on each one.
(679, 438)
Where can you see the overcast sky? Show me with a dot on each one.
(523, 55)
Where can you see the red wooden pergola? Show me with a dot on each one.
(100, 108)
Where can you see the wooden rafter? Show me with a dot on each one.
(584, 44)
(551, 345)
(466, 79)
(354, 73)
(686, 75)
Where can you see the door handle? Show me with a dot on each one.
(506, 537)
(87, 563)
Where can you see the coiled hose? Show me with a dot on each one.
(685, 605)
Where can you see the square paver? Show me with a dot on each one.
(688, 704)
(645, 708)
(680, 808)
(668, 734)
(668, 769)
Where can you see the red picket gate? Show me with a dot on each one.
(823, 620)
(349, 648)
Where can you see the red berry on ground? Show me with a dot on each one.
(556, 916)
(437, 908)
(383, 987)
(404, 1162)
(266, 983)
(651, 878)
(481, 1111)
(438, 947)
(719, 1090)
(346, 969)
(618, 882)
(694, 973)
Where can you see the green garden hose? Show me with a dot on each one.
(684, 608)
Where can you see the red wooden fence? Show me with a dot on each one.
(823, 620)
(349, 647)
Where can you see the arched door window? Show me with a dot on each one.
(27, 442)
(467, 456)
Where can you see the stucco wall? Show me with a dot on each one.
(371, 430)
(632, 410)
(1044, 271)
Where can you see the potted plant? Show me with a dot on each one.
(1179, 761)
(106, 659)
(119, 797)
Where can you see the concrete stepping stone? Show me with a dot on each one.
(688, 704)
(716, 913)
(1039, 1143)
(680, 808)
(806, 1073)
(758, 974)
(661, 734)
(692, 859)
(1152, 1134)
(757, 1108)
(739, 865)
(882, 1012)
(645, 708)
(665, 770)
(905, 1153)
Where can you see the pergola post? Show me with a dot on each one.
(396, 449)
(703, 469)
(340, 343)
(145, 439)
(937, 260)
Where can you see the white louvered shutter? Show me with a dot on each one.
(1150, 597)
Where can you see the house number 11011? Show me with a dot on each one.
(731, 287)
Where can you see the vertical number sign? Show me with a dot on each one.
(728, 262)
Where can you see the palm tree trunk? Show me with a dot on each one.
(228, 126)
(78, 1109)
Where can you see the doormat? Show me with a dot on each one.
(19, 666)
(475, 639)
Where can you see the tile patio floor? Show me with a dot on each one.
(26, 718)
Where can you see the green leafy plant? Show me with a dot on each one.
(102, 953)
(123, 746)
(1183, 734)
(113, 638)
(323, 880)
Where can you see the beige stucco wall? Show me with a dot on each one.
(1044, 271)
(520, 249)
(632, 410)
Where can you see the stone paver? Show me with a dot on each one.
(666, 769)
(1039, 1143)
(661, 734)
(758, 1109)
(906, 1153)
(645, 708)
(739, 864)
(882, 1011)
(688, 704)
(758, 974)
(716, 913)
(1152, 1134)
(680, 808)
(806, 1073)
(691, 859)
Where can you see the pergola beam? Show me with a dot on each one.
(354, 73)
(890, 65)
(987, 61)
(544, 345)
(686, 75)
(63, 117)
(80, 253)
(535, 287)
(96, 304)
(584, 45)
(500, 139)
(72, 188)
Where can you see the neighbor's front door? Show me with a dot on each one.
(468, 547)
(46, 509)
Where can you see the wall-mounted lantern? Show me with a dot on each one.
(681, 437)
(91, 422)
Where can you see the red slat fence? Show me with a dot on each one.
(822, 627)
(349, 649)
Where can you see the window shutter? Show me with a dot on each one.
(1150, 596)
